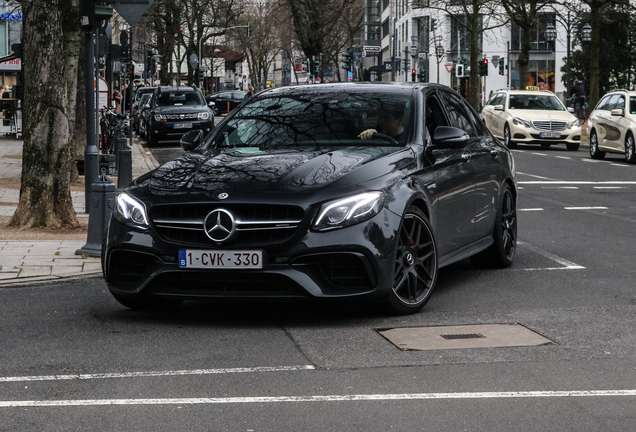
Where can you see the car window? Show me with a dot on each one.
(314, 119)
(535, 102)
(492, 99)
(620, 103)
(603, 103)
(178, 98)
(501, 99)
(458, 114)
(632, 105)
(613, 102)
(434, 113)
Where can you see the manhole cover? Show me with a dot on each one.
(458, 337)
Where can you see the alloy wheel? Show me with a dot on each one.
(416, 262)
(509, 224)
(630, 155)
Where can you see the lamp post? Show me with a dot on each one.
(414, 52)
(568, 23)
(439, 53)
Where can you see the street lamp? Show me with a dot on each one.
(439, 53)
(550, 35)
(414, 52)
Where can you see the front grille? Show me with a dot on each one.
(192, 116)
(127, 267)
(549, 125)
(256, 224)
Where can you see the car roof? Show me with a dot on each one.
(181, 88)
(361, 86)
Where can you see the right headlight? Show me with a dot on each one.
(348, 211)
(575, 123)
(521, 122)
(130, 211)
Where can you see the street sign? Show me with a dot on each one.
(449, 67)
(371, 48)
(423, 55)
(370, 53)
(131, 10)
(194, 61)
(388, 66)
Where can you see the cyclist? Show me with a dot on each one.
(578, 97)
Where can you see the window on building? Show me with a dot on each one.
(373, 11)
(385, 29)
(538, 34)
(540, 74)
(459, 27)
(374, 32)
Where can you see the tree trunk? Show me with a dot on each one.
(475, 80)
(595, 49)
(524, 57)
(50, 72)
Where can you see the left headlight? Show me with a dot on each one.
(348, 211)
(521, 122)
(130, 211)
(574, 124)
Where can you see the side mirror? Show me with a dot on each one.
(191, 140)
(617, 112)
(211, 104)
(570, 109)
(147, 106)
(446, 137)
(499, 107)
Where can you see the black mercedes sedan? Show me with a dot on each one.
(356, 190)
(226, 101)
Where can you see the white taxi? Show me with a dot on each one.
(612, 125)
(532, 117)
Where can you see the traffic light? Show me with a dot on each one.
(306, 66)
(348, 61)
(413, 73)
(483, 67)
(315, 70)
(421, 76)
(502, 62)
(433, 24)
(201, 74)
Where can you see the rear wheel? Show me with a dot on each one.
(630, 152)
(415, 268)
(595, 153)
(502, 252)
(508, 139)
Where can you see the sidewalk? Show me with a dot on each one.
(28, 256)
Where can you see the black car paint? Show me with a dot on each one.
(459, 198)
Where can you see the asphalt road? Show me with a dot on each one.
(73, 359)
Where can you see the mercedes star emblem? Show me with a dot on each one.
(223, 195)
(219, 225)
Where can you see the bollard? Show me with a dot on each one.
(124, 164)
(102, 204)
(120, 143)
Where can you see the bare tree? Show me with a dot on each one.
(164, 18)
(51, 57)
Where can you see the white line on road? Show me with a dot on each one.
(559, 187)
(320, 398)
(608, 187)
(539, 154)
(535, 176)
(155, 373)
(584, 182)
(586, 208)
(531, 209)
(564, 157)
(567, 265)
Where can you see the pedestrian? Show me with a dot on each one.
(117, 99)
(577, 93)
(250, 91)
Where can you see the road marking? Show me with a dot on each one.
(593, 161)
(564, 157)
(539, 154)
(535, 176)
(586, 208)
(608, 187)
(559, 187)
(321, 398)
(619, 165)
(567, 265)
(576, 182)
(155, 373)
(531, 209)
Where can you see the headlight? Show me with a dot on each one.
(520, 122)
(130, 211)
(160, 117)
(575, 123)
(203, 116)
(348, 211)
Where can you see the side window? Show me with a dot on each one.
(493, 99)
(434, 114)
(621, 103)
(459, 116)
(611, 104)
(603, 103)
(501, 99)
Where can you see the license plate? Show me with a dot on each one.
(226, 259)
(550, 135)
(182, 125)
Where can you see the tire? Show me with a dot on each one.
(572, 146)
(630, 151)
(501, 253)
(152, 141)
(146, 303)
(508, 139)
(416, 266)
(595, 153)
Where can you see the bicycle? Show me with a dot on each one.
(111, 126)
(580, 108)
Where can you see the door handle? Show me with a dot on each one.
(466, 157)
(494, 153)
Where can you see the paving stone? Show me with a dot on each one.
(34, 271)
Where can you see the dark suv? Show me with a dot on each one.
(175, 111)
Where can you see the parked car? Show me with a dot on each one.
(612, 125)
(531, 117)
(223, 100)
(138, 111)
(175, 110)
(338, 190)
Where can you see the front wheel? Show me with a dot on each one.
(630, 152)
(416, 266)
(508, 139)
(502, 252)
(595, 153)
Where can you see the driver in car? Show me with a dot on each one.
(390, 122)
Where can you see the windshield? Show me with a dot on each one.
(318, 119)
(535, 102)
(178, 98)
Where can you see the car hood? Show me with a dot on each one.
(251, 170)
(543, 115)
(179, 109)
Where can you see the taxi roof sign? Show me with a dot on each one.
(534, 88)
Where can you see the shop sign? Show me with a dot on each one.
(15, 64)
(8, 16)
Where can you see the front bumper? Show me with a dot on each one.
(174, 130)
(522, 134)
(342, 263)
